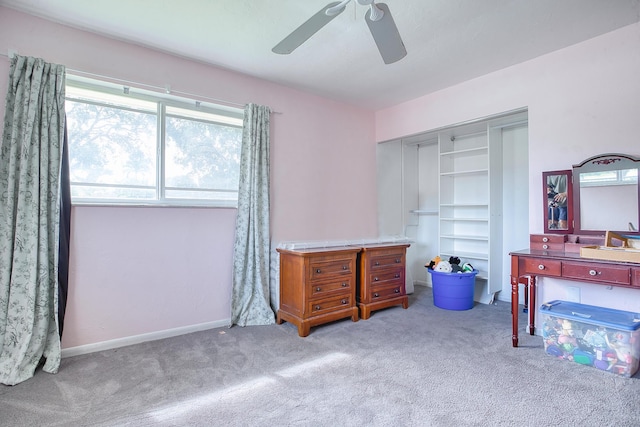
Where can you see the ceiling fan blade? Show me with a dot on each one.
(386, 35)
(306, 30)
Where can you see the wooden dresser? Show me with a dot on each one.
(317, 286)
(381, 278)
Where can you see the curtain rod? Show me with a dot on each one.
(166, 89)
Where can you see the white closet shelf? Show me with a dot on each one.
(467, 172)
(475, 150)
(424, 211)
(464, 205)
(465, 219)
(464, 237)
(465, 256)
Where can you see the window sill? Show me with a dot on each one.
(155, 204)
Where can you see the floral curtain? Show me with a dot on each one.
(251, 257)
(30, 157)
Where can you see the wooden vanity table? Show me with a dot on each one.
(575, 216)
(528, 264)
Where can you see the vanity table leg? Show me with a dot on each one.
(532, 305)
(514, 310)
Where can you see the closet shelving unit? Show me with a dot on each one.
(444, 188)
(464, 221)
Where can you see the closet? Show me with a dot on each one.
(459, 191)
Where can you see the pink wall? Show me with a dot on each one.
(139, 270)
(583, 100)
(174, 269)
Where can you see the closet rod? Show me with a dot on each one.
(81, 73)
(467, 135)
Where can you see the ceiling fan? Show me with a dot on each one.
(378, 18)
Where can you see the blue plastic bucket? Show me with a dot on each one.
(453, 291)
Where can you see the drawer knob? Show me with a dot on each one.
(376, 295)
(344, 285)
(593, 273)
(397, 261)
(317, 307)
(344, 301)
(377, 263)
(545, 239)
(397, 275)
(397, 291)
(344, 267)
(541, 267)
(318, 289)
(545, 246)
(375, 279)
(318, 271)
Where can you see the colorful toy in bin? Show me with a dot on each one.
(431, 264)
(443, 267)
(467, 268)
(604, 338)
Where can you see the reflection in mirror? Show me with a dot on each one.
(558, 202)
(607, 194)
(609, 200)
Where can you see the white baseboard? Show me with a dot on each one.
(137, 339)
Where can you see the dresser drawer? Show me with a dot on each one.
(547, 242)
(385, 276)
(379, 293)
(319, 289)
(540, 266)
(539, 246)
(385, 261)
(601, 273)
(635, 277)
(329, 304)
(323, 269)
(547, 238)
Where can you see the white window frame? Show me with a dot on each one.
(617, 179)
(225, 115)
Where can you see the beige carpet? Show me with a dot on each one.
(423, 366)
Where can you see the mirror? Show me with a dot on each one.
(557, 204)
(606, 194)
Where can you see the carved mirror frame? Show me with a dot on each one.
(558, 213)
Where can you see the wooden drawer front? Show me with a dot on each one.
(322, 289)
(539, 246)
(386, 292)
(543, 267)
(547, 238)
(325, 269)
(600, 273)
(384, 261)
(329, 304)
(387, 276)
(635, 277)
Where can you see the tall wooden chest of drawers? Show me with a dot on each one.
(381, 278)
(317, 286)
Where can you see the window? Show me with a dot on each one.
(144, 148)
(612, 177)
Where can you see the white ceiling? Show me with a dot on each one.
(448, 41)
